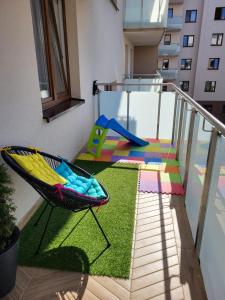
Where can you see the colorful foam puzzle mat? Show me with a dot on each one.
(160, 182)
(158, 167)
(118, 149)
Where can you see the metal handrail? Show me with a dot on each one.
(131, 76)
(207, 115)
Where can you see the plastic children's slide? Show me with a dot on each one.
(115, 126)
(100, 130)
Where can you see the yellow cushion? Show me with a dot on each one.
(36, 166)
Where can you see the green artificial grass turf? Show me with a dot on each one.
(85, 248)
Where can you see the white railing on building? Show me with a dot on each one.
(170, 74)
(169, 50)
(145, 13)
(174, 23)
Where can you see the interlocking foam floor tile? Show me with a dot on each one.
(159, 182)
(117, 149)
(121, 153)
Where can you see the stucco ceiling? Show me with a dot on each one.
(144, 37)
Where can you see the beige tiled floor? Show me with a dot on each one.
(164, 266)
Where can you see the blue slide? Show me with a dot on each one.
(114, 125)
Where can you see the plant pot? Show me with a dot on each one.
(8, 264)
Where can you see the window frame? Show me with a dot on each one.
(213, 58)
(182, 83)
(217, 39)
(188, 35)
(170, 9)
(210, 91)
(167, 43)
(185, 59)
(55, 97)
(114, 4)
(168, 62)
(191, 10)
(222, 8)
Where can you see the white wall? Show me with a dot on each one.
(100, 48)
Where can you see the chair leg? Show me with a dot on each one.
(41, 214)
(74, 227)
(43, 234)
(100, 227)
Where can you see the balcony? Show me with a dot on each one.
(170, 74)
(200, 146)
(174, 24)
(171, 230)
(144, 21)
(176, 1)
(169, 50)
(133, 82)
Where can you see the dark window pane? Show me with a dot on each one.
(57, 40)
(165, 65)
(40, 48)
(217, 39)
(214, 63)
(185, 40)
(170, 13)
(220, 13)
(167, 39)
(210, 86)
(184, 85)
(191, 16)
(186, 64)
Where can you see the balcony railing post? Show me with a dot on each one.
(206, 188)
(189, 146)
(180, 128)
(128, 109)
(99, 104)
(159, 111)
(174, 118)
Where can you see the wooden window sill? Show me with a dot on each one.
(56, 111)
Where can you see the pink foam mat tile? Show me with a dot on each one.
(158, 182)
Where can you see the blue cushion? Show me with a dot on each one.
(87, 186)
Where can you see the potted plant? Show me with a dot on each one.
(9, 235)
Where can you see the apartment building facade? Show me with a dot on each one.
(192, 51)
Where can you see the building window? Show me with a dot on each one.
(165, 65)
(164, 88)
(213, 64)
(220, 13)
(191, 16)
(208, 107)
(188, 41)
(186, 64)
(223, 109)
(210, 86)
(170, 13)
(167, 39)
(184, 85)
(51, 51)
(217, 39)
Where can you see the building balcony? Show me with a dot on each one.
(176, 1)
(145, 20)
(174, 24)
(142, 82)
(169, 50)
(180, 221)
(170, 74)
